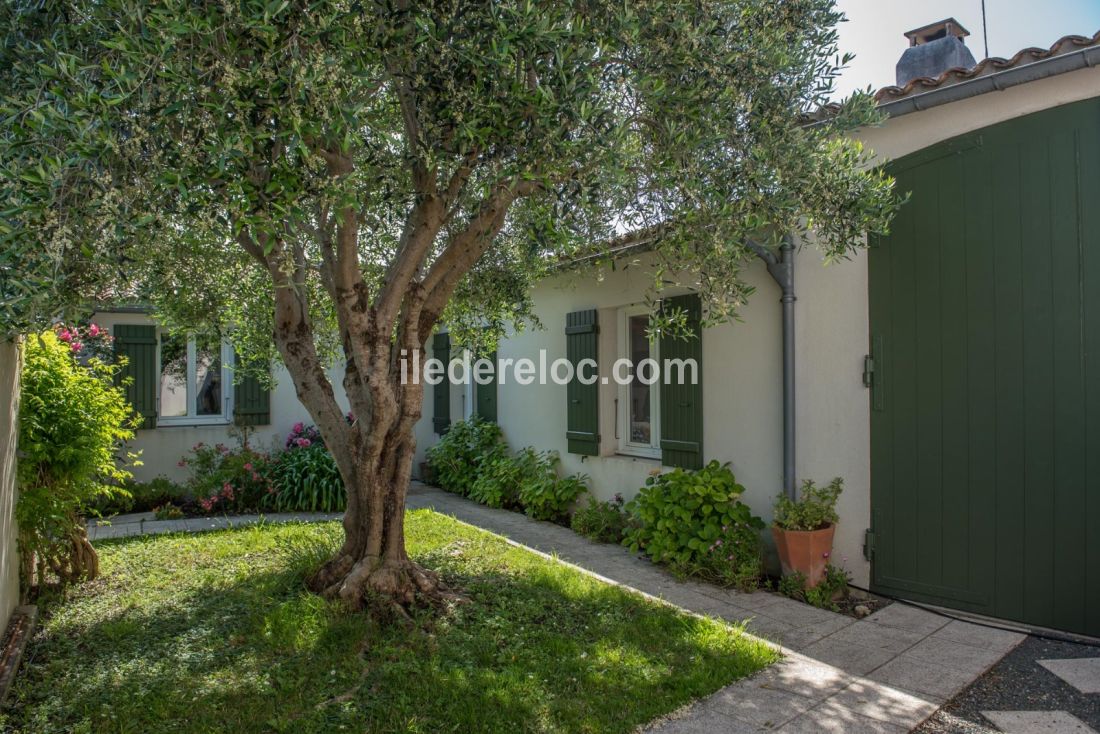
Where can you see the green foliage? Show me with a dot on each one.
(695, 522)
(572, 120)
(832, 587)
(306, 479)
(472, 459)
(228, 480)
(601, 521)
(498, 479)
(73, 423)
(219, 633)
(543, 494)
(814, 509)
(459, 456)
(168, 511)
(133, 496)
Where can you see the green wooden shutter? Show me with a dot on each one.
(251, 402)
(138, 344)
(486, 395)
(441, 393)
(682, 404)
(582, 430)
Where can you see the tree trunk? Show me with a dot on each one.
(372, 567)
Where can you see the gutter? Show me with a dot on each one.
(1085, 58)
(781, 268)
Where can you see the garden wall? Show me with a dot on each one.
(10, 361)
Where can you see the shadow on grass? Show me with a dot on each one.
(222, 641)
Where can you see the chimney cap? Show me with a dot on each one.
(935, 31)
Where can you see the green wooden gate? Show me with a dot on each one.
(985, 341)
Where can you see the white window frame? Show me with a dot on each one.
(193, 418)
(626, 446)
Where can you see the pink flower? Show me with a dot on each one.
(208, 503)
(255, 477)
(76, 347)
(64, 335)
(93, 330)
(303, 442)
(298, 427)
(825, 554)
(248, 466)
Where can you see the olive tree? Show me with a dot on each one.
(337, 178)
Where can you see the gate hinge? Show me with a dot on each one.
(868, 370)
(869, 544)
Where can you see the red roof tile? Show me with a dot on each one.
(1063, 45)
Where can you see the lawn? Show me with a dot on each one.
(215, 632)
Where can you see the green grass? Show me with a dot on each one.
(215, 632)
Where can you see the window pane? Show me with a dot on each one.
(173, 376)
(208, 376)
(640, 426)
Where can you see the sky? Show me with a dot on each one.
(875, 28)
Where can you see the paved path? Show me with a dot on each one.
(885, 673)
(146, 523)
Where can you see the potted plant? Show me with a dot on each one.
(803, 529)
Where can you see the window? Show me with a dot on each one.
(193, 378)
(639, 400)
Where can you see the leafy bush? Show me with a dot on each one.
(73, 423)
(138, 497)
(306, 479)
(459, 456)
(601, 521)
(542, 493)
(695, 522)
(498, 480)
(168, 511)
(227, 480)
(814, 509)
(833, 586)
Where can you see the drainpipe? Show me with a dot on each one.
(781, 268)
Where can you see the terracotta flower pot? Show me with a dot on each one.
(804, 551)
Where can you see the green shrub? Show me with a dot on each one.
(542, 493)
(306, 479)
(695, 522)
(73, 423)
(460, 454)
(601, 521)
(814, 509)
(498, 480)
(226, 480)
(168, 511)
(139, 497)
(833, 586)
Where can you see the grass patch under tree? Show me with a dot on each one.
(216, 632)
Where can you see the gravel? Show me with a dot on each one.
(1018, 683)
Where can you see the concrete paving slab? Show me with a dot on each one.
(850, 657)
(953, 654)
(909, 618)
(980, 635)
(921, 677)
(759, 705)
(879, 701)
(871, 634)
(830, 717)
(1038, 722)
(1081, 673)
(804, 676)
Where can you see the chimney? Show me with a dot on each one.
(933, 49)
